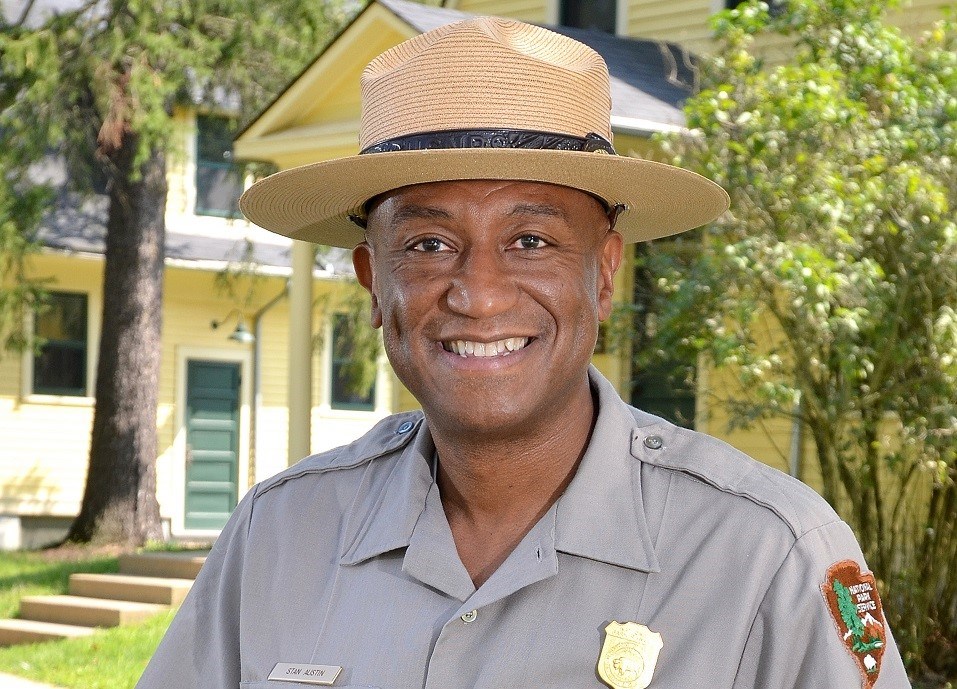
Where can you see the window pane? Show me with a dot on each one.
(347, 392)
(218, 188)
(215, 142)
(60, 367)
(219, 182)
(664, 390)
(599, 14)
(64, 318)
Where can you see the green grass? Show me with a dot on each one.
(27, 574)
(109, 659)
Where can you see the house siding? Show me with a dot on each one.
(534, 11)
(687, 22)
(39, 471)
(44, 473)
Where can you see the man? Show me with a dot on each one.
(529, 529)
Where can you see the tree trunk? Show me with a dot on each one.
(119, 502)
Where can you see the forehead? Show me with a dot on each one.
(456, 197)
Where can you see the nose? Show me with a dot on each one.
(482, 287)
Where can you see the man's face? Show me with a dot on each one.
(489, 294)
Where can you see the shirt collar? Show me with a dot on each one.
(387, 508)
(600, 516)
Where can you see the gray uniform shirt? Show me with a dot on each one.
(346, 559)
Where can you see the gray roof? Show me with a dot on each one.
(78, 224)
(649, 79)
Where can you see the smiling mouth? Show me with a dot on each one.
(467, 348)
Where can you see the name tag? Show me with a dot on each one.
(305, 674)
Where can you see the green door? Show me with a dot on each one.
(212, 442)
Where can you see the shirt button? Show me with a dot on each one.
(470, 616)
(654, 442)
(405, 428)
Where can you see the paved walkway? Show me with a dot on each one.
(11, 682)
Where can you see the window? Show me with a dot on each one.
(353, 371)
(665, 387)
(219, 181)
(594, 14)
(666, 391)
(60, 366)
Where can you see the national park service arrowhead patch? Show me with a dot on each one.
(856, 608)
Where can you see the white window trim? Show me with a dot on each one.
(94, 311)
(621, 18)
(383, 393)
(552, 13)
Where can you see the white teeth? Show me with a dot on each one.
(486, 349)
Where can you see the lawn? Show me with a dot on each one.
(109, 659)
(41, 572)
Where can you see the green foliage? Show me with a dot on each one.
(87, 77)
(20, 211)
(830, 289)
(359, 343)
(90, 81)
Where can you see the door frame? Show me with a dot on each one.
(177, 510)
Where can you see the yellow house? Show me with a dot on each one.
(222, 417)
(241, 400)
(646, 44)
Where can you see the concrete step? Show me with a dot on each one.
(86, 612)
(182, 565)
(158, 590)
(14, 632)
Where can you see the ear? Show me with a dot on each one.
(364, 263)
(611, 252)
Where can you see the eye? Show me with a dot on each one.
(430, 245)
(531, 241)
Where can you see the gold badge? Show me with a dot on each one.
(628, 656)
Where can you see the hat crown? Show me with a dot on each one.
(485, 73)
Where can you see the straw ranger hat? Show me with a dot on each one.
(483, 98)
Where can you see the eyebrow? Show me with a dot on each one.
(414, 212)
(538, 209)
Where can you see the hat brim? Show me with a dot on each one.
(313, 202)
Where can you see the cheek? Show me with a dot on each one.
(571, 297)
(404, 304)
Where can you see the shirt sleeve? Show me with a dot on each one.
(201, 649)
(795, 641)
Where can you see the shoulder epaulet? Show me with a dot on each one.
(387, 436)
(731, 471)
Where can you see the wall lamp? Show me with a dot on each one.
(241, 334)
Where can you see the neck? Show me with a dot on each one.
(495, 488)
